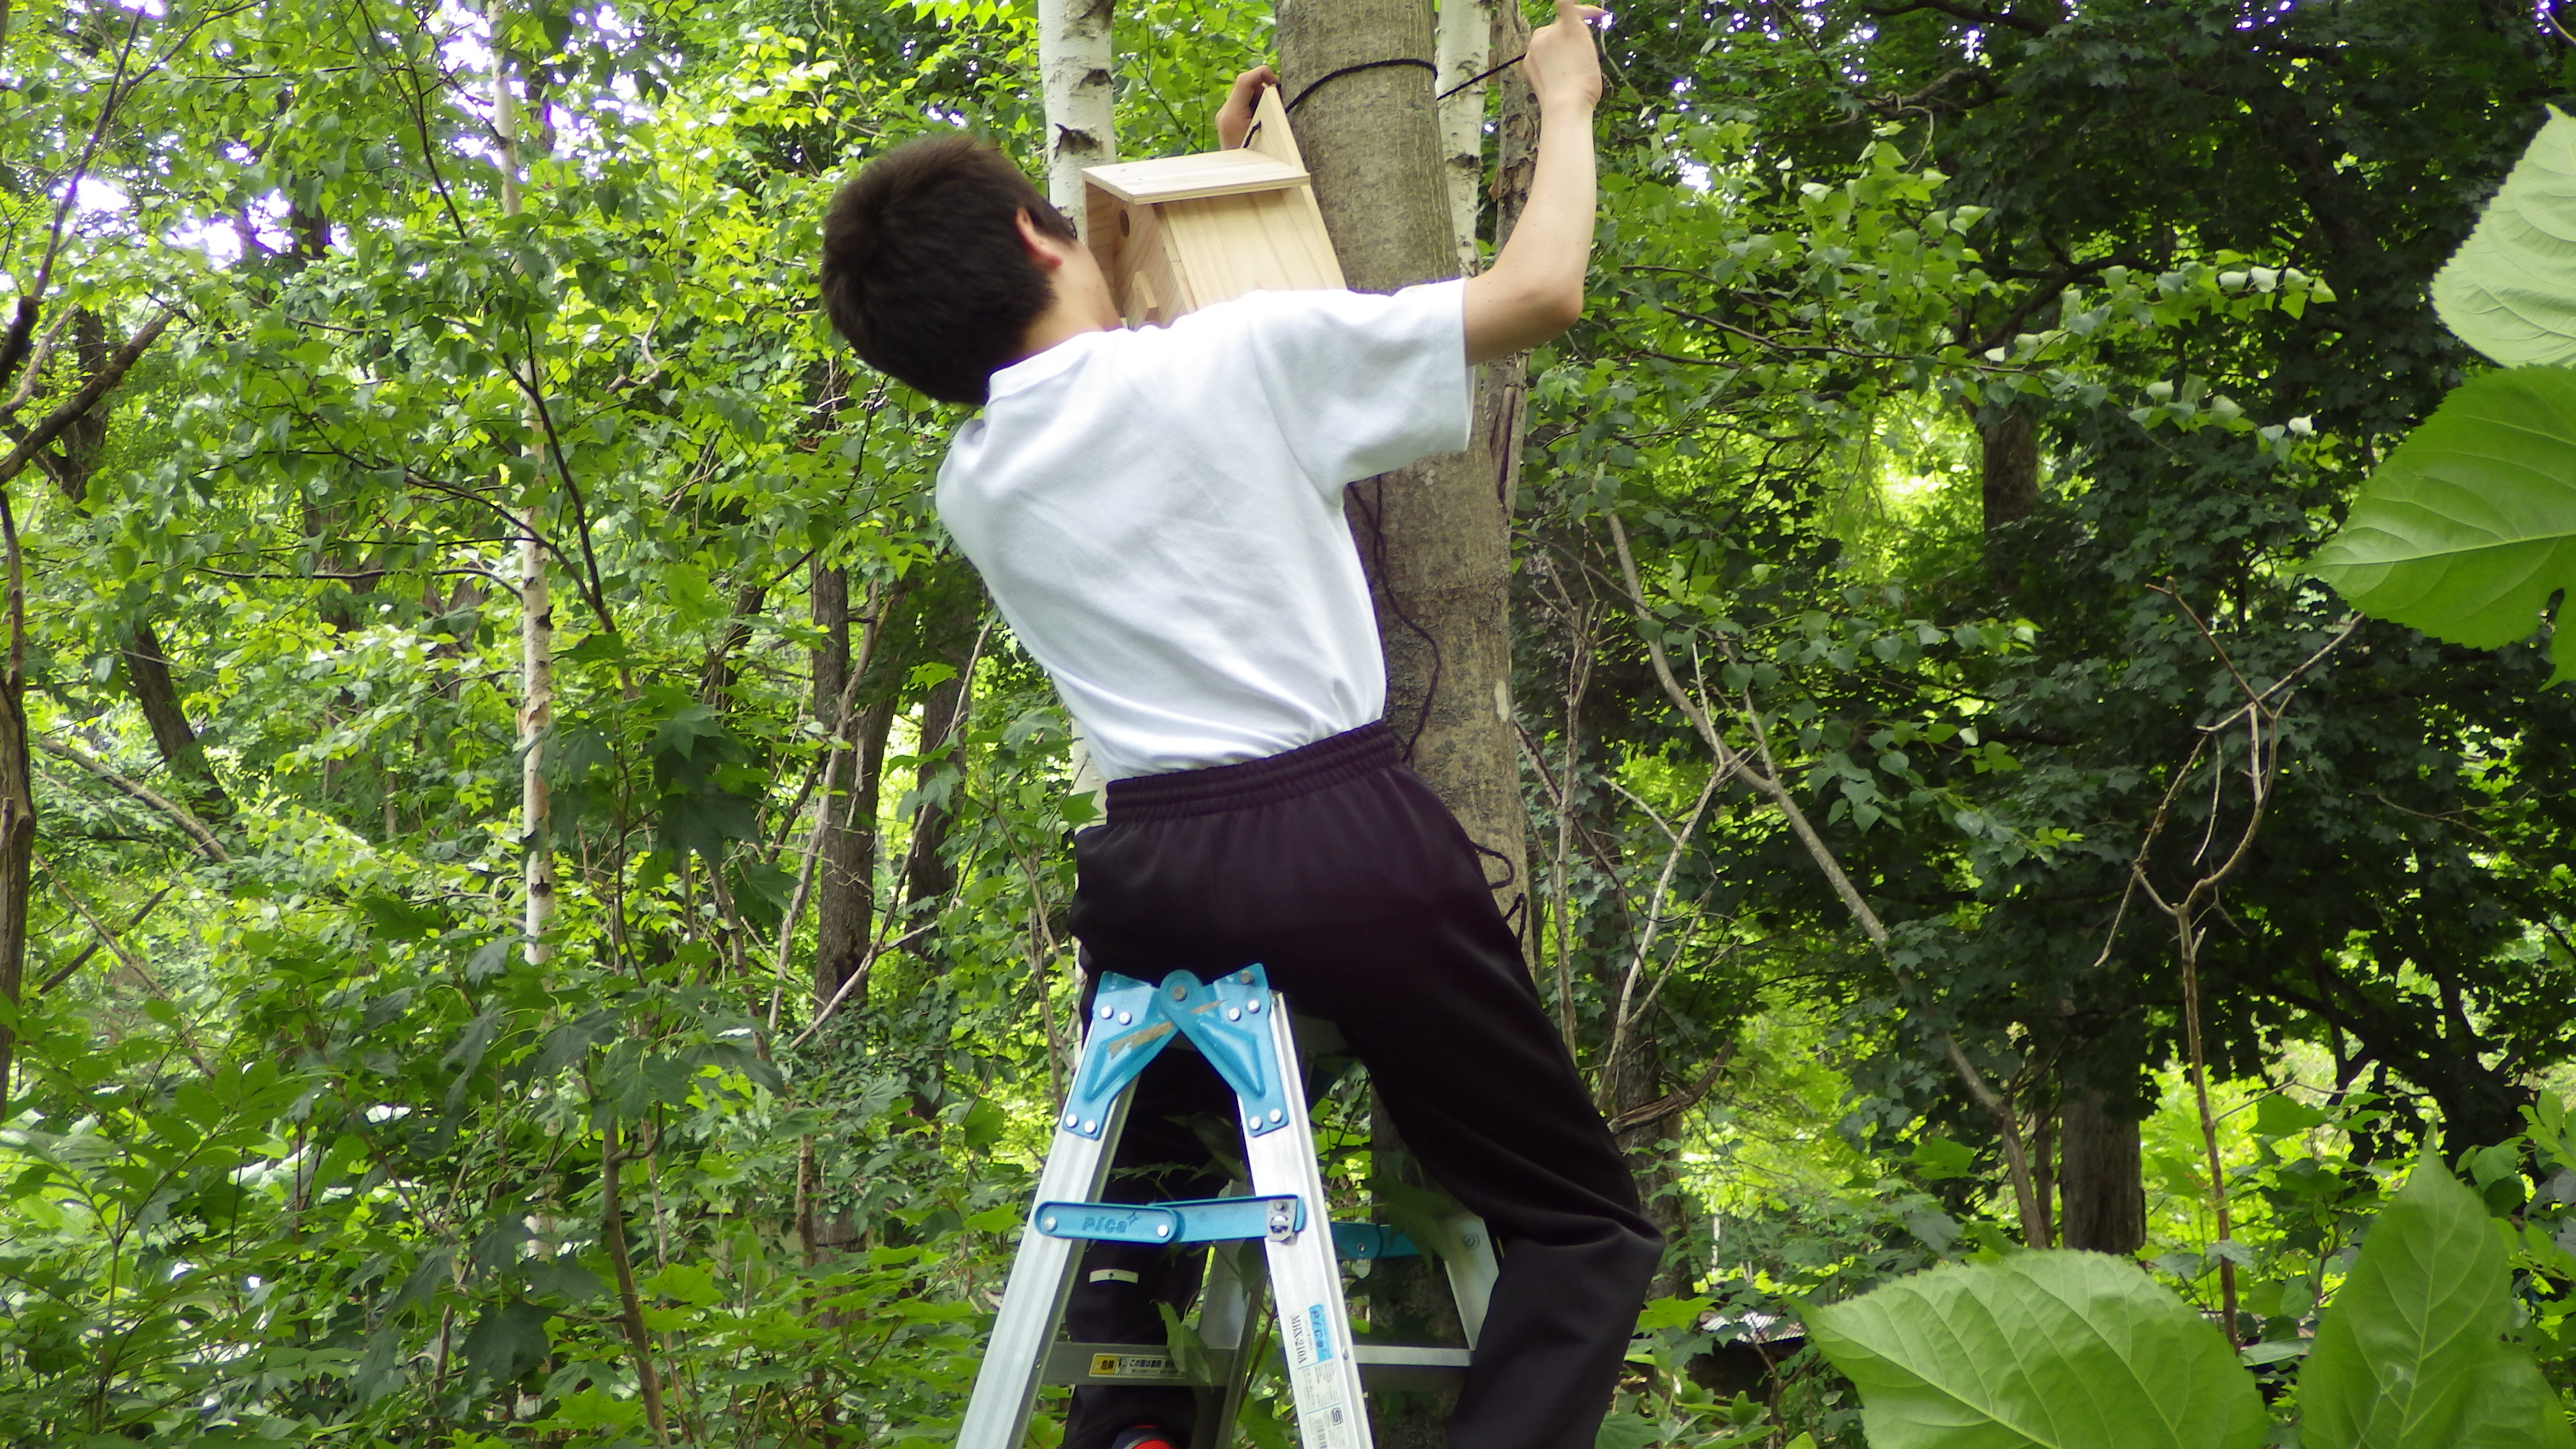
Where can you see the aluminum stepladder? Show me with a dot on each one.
(1246, 1032)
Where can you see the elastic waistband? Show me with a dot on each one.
(1304, 770)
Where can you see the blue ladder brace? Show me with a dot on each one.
(1244, 1030)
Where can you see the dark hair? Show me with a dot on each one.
(923, 268)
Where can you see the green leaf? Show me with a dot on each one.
(2510, 1406)
(688, 1283)
(507, 1341)
(400, 920)
(1938, 1159)
(2510, 292)
(2415, 1330)
(2470, 525)
(2060, 1350)
(2278, 1116)
(983, 1125)
(1665, 1313)
(1627, 1431)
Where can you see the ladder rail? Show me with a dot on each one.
(1305, 1271)
(1041, 1282)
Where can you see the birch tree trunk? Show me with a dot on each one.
(1075, 65)
(1463, 42)
(536, 610)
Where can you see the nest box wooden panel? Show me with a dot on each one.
(1182, 232)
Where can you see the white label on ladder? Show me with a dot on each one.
(1323, 1420)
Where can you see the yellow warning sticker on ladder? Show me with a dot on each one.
(1135, 1366)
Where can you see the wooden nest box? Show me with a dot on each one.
(1182, 232)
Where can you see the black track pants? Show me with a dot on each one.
(1337, 869)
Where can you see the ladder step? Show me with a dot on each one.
(1382, 1365)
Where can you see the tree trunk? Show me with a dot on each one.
(1464, 39)
(2099, 1176)
(1434, 536)
(2011, 468)
(536, 619)
(1075, 65)
(845, 878)
(17, 796)
(147, 673)
(930, 874)
(147, 666)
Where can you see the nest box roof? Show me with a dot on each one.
(1208, 173)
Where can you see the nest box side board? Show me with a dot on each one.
(1273, 241)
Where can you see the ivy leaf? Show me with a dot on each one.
(2470, 525)
(2042, 1350)
(2510, 291)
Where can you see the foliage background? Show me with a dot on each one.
(1971, 382)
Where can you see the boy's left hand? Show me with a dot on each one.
(1234, 118)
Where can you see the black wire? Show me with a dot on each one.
(1481, 75)
(1333, 75)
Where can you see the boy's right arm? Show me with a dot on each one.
(1534, 290)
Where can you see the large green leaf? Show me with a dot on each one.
(2416, 1332)
(2513, 1407)
(2470, 525)
(2057, 1350)
(2510, 292)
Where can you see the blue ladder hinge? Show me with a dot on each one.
(1211, 1220)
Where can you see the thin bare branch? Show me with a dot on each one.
(177, 814)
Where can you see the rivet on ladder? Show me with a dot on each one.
(1180, 993)
(1104, 1013)
(1049, 1225)
(1276, 1115)
(1125, 1018)
(1162, 1230)
(1090, 1126)
(1071, 1118)
(1234, 1013)
(1252, 1121)
(1245, 978)
(1256, 1003)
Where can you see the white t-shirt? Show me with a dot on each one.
(1158, 513)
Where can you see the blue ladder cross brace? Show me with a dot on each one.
(1224, 1021)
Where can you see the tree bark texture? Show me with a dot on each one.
(2011, 467)
(536, 620)
(1075, 66)
(845, 877)
(17, 800)
(1434, 535)
(2100, 1181)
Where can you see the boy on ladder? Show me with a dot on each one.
(1158, 514)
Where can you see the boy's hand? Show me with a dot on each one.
(1234, 118)
(1561, 66)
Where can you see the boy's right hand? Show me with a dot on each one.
(1562, 67)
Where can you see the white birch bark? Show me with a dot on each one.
(1463, 46)
(536, 609)
(1075, 64)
